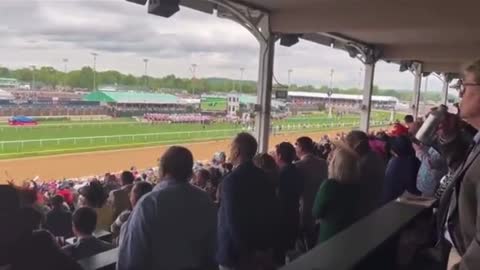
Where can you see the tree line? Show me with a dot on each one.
(51, 78)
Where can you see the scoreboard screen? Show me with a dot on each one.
(281, 94)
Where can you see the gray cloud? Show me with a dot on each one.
(43, 32)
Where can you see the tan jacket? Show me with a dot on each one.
(314, 170)
(119, 200)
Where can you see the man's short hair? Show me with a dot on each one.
(475, 69)
(177, 161)
(306, 144)
(286, 151)
(84, 220)
(408, 118)
(141, 188)
(127, 178)
(246, 145)
(57, 201)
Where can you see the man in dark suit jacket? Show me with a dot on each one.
(290, 188)
(84, 222)
(119, 199)
(247, 216)
(59, 219)
(459, 207)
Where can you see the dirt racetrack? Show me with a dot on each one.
(98, 163)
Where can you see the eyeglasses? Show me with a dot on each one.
(461, 86)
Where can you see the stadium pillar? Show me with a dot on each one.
(417, 72)
(264, 84)
(447, 79)
(445, 92)
(367, 96)
(257, 22)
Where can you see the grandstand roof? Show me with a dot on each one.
(130, 97)
(441, 34)
(340, 96)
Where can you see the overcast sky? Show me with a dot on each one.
(43, 32)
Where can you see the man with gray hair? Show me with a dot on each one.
(459, 207)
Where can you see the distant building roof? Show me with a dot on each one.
(8, 82)
(131, 97)
(248, 99)
(340, 96)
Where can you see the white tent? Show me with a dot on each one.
(5, 95)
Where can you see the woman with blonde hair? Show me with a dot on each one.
(336, 198)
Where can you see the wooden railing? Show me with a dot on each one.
(367, 244)
(102, 261)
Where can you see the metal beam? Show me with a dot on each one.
(264, 85)
(256, 22)
(367, 97)
(417, 72)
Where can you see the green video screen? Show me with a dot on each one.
(213, 104)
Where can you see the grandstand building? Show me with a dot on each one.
(341, 101)
(9, 83)
(130, 103)
(5, 96)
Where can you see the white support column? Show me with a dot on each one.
(445, 92)
(416, 89)
(447, 79)
(367, 97)
(264, 85)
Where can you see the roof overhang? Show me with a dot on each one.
(442, 34)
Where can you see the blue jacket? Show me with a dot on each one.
(247, 216)
(173, 227)
(401, 173)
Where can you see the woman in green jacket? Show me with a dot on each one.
(336, 198)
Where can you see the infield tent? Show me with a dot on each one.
(422, 36)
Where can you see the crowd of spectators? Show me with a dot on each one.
(269, 205)
(250, 211)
